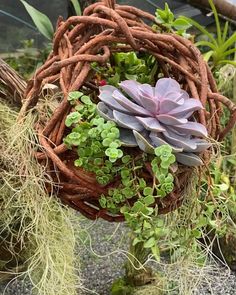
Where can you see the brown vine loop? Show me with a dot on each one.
(79, 41)
(110, 3)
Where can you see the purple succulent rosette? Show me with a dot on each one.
(154, 116)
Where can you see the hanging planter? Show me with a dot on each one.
(180, 107)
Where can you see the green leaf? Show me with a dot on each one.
(120, 153)
(41, 21)
(114, 80)
(208, 55)
(126, 159)
(136, 241)
(181, 24)
(124, 209)
(206, 43)
(86, 100)
(230, 41)
(165, 164)
(106, 142)
(202, 221)
(217, 22)
(98, 161)
(147, 211)
(79, 107)
(78, 162)
(227, 61)
(156, 252)
(164, 15)
(149, 200)
(213, 223)
(131, 77)
(160, 15)
(113, 144)
(142, 183)
(138, 206)
(125, 173)
(228, 52)
(127, 192)
(103, 202)
(146, 224)
(225, 31)
(196, 233)
(169, 13)
(223, 187)
(150, 243)
(147, 191)
(72, 118)
(76, 7)
(74, 95)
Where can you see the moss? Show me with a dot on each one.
(119, 287)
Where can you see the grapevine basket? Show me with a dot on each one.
(105, 28)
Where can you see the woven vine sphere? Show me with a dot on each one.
(105, 28)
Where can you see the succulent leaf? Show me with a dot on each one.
(186, 110)
(149, 104)
(143, 144)
(106, 97)
(151, 124)
(127, 121)
(104, 111)
(188, 159)
(188, 145)
(157, 140)
(131, 88)
(170, 120)
(168, 105)
(127, 138)
(192, 128)
(129, 105)
(165, 86)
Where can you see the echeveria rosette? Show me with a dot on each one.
(149, 117)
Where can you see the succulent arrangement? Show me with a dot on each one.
(149, 117)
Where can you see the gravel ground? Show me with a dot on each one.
(99, 272)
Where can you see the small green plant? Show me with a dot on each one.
(143, 217)
(129, 66)
(222, 46)
(166, 18)
(97, 142)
